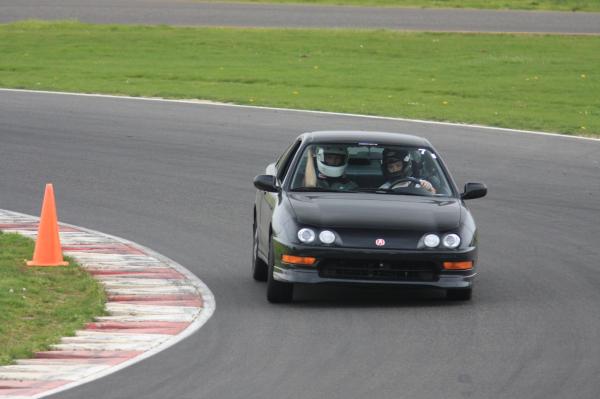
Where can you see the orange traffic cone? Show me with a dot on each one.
(47, 247)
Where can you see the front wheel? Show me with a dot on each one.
(277, 291)
(259, 267)
(459, 294)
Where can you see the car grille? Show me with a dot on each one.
(381, 270)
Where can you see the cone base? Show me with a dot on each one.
(33, 263)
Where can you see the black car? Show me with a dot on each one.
(363, 208)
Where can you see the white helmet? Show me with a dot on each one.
(328, 168)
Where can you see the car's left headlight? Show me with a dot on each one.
(431, 240)
(451, 241)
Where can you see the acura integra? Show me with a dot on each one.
(363, 208)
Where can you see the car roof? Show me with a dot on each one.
(344, 136)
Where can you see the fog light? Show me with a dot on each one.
(463, 265)
(327, 237)
(451, 241)
(431, 240)
(306, 235)
(298, 260)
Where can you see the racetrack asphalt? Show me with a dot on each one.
(178, 178)
(191, 12)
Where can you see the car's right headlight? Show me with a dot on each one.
(327, 237)
(306, 235)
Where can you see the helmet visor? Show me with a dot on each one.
(391, 160)
(394, 166)
(334, 159)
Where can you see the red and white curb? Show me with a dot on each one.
(152, 304)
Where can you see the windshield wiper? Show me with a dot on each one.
(390, 191)
(321, 190)
(373, 190)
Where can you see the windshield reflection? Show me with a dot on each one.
(379, 169)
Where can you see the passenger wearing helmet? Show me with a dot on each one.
(396, 167)
(331, 163)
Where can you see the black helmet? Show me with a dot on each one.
(391, 155)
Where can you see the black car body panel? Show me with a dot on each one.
(373, 211)
(360, 221)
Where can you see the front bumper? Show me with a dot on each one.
(434, 276)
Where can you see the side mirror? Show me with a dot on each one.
(474, 190)
(266, 183)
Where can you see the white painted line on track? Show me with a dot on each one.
(124, 340)
(389, 118)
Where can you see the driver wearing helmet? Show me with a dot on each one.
(331, 164)
(396, 167)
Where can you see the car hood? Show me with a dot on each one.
(376, 211)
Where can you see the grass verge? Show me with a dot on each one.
(40, 304)
(538, 82)
(547, 5)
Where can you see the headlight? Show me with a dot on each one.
(431, 240)
(451, 241)
(306, 235)
(327, 237)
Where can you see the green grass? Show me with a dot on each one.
(554, 5)
(40, 304)
(539, 82)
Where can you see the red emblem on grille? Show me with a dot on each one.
(380, 242)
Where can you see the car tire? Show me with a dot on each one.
(277, 291)
(459, 294)
(259, 267)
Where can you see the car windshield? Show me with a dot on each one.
(373, 168)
